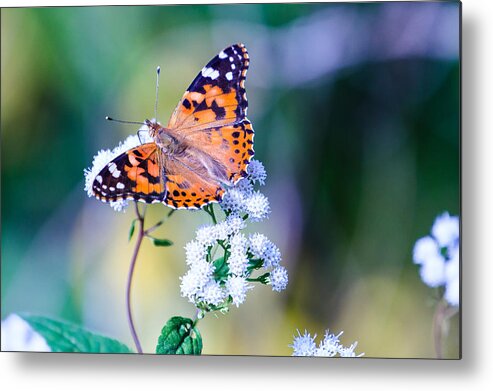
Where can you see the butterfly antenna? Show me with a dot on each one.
(124, 122)
(158, 71)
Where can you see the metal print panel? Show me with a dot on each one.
(257, 179)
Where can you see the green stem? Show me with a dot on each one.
(140, 237)
(210, 210)
(159, 223)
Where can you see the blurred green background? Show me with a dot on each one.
(356, 112)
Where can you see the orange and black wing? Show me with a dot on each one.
(134, 175)
(211, 116)
(217, 95)
(187, 185)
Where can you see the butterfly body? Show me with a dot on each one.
(206, 145)
(168, 143)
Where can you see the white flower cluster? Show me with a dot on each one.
(244, 199)
(214, 283)
(330, 346)
(19, 336)
(438, 256)
(104, 156)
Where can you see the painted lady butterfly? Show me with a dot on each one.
(208, 143)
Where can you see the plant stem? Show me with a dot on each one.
(197, 317)
(159, 223)
(442, 313)
(140, 237)
(210, 210)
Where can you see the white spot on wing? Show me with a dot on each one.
(120, 185)
(210, 72)
(229, 76)
(222, 55)
(99, 178)
(112, 167)
(215, 75)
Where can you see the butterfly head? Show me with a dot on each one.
(153, 127)
(163, 138)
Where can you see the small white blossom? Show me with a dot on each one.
(304, 345)
(197, 277)
(119, 206)
(233, 200)
(238, 244)
(206, 235)
(237, 288)
(452, 276)
(19, 336)
(203, 269)
(221, 231)
(213, 293)
(446, 230)
(237, 263)
(330, 345)
(258, 244)
(235, 224)
(130, 142)
(256, 172)
(438, 256)
(190, 285)
(245, 187)
(452, 266)
(257, 206)
(425, 248)
(279, 278)
(195, 252)
(349, 351)
(452, 292)
(272, 255)
(433, 271)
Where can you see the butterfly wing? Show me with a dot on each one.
(188, 187)
(217, 95)
(145, 174)
(231, 146)
(135, 174)
(211, 116)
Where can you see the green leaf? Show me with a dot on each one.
(179, 336)
(63, 336)
(221, 269)
(255, 264)
(161, 242)
(132, 229)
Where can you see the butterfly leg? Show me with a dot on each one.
(138, 134)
